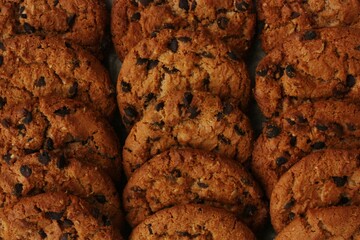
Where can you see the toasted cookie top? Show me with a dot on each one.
(182, 60)
(311, 65)
(188, 119)
(281, 18)
(34, 67)
(133, 20)
(301, 130)
(192, 221)
(321, 179)
(181, 176)
(54, 216)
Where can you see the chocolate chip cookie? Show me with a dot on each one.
(182, 60)
(311, 65)
(59, 124)
(82, 22)
(193, 176)
(231, 21)
(50, 172)
(321, 179)
(188, 119)
(324, 223)
(54, 216)
(300, 131)
(192, 221)
(282, 18)
(32, 67)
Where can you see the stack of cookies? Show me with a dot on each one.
(307, 86)
(182, 91)
(60, 156)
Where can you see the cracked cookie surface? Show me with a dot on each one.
(301, 130)
(52, 172)
(231, 21)
(54, 216)
(32, 67)
(192, 221)
(311, 65)
(181, 60)
(325, 223)
(188, 119)
(319, 180)
(281, 18)
(82, 22)
(182, 176)
(60, 124)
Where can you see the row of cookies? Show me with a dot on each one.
(181, 91)
(306, 156)
(60, 155)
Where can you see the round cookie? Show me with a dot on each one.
(325, 223)
(62, 124)
(54, 216)
(49, 172)
(33, 67)
(233, 22)
(181, 60)
(321, 179)
(311, 65)
(301, 130)
(281, 18)
(184, 119)
(186, 176)
(82, 22)
(192, 221)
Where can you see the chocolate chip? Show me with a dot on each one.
(202, 185)
(227, 108)
(25, 171)
(141, 61)
(18, 188)
(272, 131)
(106, 221)
(3, 102)
(291, 122)
(184, 234)
(125, 87)
(239, 131)
(134, 3)
(293, 141)
(290, 204)
(351, 127)
(67, 223)
(176, 173)
(28, 28)
(294, 15)
(194, 112)
(62, 112)
(350, 81)
(173, 45)
(193, 5)
(23, 16)
(131, 112)
(71, 20)
(2, 47)
(159, 106)
(309, 35)
(291, 216)
(233, 56)
(219, 116)
(184, 4)
(44, 158)
(152, 64)
(222, 22)
(301, 119)
(56, 2)
(150, 229)
(281, 161)
(278, 73)
(135, 17)
(223, 139)
(145, 2)
(1, 60)
(318, 145)
(148, 98)
(206, 83)
(262, 72)
(49, 144)
(21, 128)
(343, 201)
(159, 124)
(249, 211)
(100, 199)
(188, 97)
(7, 158)
(54, 215)
(357, 48)
(184, 39)
(29, 151)
(27, 117)
(65, 236)
(62, 162)
(340, 181)
(242, 6)
(73, 90)
(42, 234)
(290, 71)
(170, 71)
(40, 82)
(221, 10)
(321, 127)
(6, 123)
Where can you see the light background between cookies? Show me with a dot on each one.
(255, 54)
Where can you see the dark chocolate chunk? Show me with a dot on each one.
(40, 82)
(125, 87)
(227, 108)
(272, 131)
(176, 173)
(173, 45)
(73, 90)
(170, 71)
(62, 112)
(67, 223)
(3, 102)
(18, 188)
(22, 129)
(65, 236)
(318, 145)
(291, 122)
(62, 162)
(23, 16)
(206, 83)
(159, 106)
(242, 6)
(6, 123)
(239, 131)
(290, 204)
(42, 234)
(202, 185)
(222, 22)
(249, 211)
(49, 144)
(184, 39)
(1, 60)
(290, 71)
(2, 47)
(7, 158)
(141, 61)
(184, 4)
(135, 17)
(291, 216)
(278, 72)
(56, 2)
(233, 56)
(340, 181)
(28, 28)
(281, 161)
(294, 15)
(100, 199)
(309, 35)
(193, 5)
(54, 215)
(145, 3)
(224, 139)
(44, 158)
(343, 201)
(131, 112)
(321, 127)
(159, 124)
(148, 98)
(351, 127)
(27, 117)
(188, 97)
(29, 151)
(150, 229)
(293, 141)
(194, 112)
(301, 119)
(350, 81)
(25, 171)
(71, 20)
(357, 48)
(219, 116)
(152, 64)
(106, 220)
